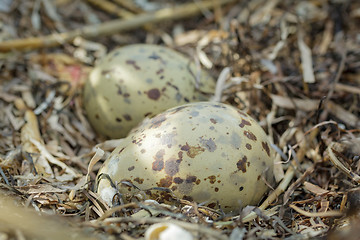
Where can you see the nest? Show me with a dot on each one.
(294, 66)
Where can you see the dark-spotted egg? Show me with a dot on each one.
(138, 81)
(203, 152)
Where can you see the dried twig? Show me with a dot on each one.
(317, 214)
(111, 27)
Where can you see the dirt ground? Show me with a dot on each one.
(292, 65)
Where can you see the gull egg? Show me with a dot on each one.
(203, 152)
(138, 81)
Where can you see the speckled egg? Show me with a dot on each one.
(203, 152)
(138, 81)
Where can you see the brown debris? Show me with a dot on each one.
(294, 66)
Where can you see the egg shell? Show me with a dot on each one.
(138, 81)
(201, 151)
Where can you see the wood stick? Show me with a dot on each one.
(130, 5)
(110, 27)
(16, 218)
(111, 8)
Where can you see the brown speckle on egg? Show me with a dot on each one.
(178, 180)
(212, 179)
(192, 151)
(139, 180)
(158, 164)
(133, 63)
(241, 164)
(244, 123)
(127, 117)
(266, 148)
(165, 182)
(241, 113)
(157, 121)
(153, 94)
(250, 135)
(171, 166)
(161, 70)
(209, 144)
(190, 179)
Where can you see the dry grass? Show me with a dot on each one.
(293, 66)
